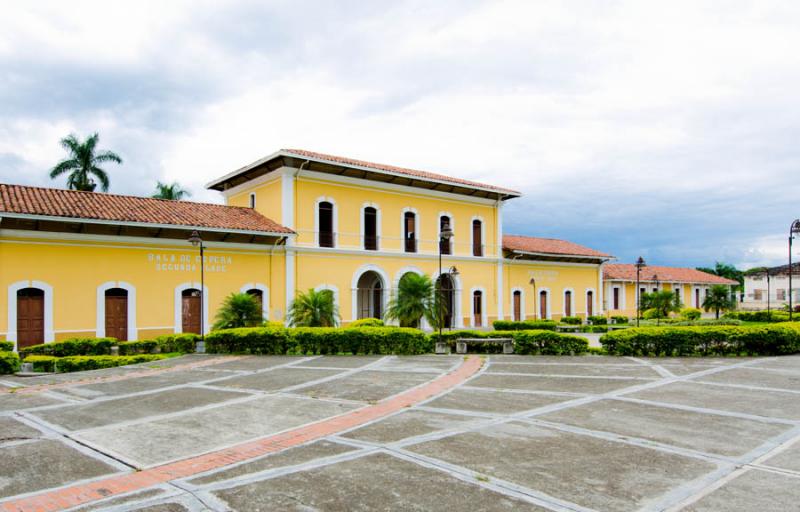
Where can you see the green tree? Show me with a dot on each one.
(239, 310)
(314, 309)
(726, 270)
(172, 191)
(84, 162)
(414, 299)
(663, 302)
(718, 299)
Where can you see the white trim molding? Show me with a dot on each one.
(265, 299)
(133, 332)
(287, 200)
(179, 306)
(377, 226)
(13, 288)
(363, 269)
(335, 220)
(521, 303)
(572, 311)
(548, 309)
(621, 287)
(484, 315)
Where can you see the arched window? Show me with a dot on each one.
(370, 229)
(477, 238)
(543, 306)
(568, 303)
(258, 295)
(517, 305)
(477, 308)
(410, 231)
(445, 246)
(252, 199)
(326, 234)
(190, 310)
(116, 309)
(589, 303)
(30, 317)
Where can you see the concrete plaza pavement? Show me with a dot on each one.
(520, 433)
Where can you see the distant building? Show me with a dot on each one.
(770, 287)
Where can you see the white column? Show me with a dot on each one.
(601, 291)
(499, 252)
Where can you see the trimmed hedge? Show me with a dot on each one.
(72, 347)
(758, 316)
(319, 340)
(524, 325)
(183, 343)
(600, 320)
(620, 319)
(82, 363)
(549, 343)
(9, 362)
(701, 340)
(367, 322)
(571, 320)
(6, 346)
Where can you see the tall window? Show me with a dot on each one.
(477, 238)
(477, 308)
(697, 297)
(568, 303)
(410, 231)
(589, 303)
(517, 306)
(543, 313)
(252, 199)
(616, 298)
(370, 229)
(444, 245)
(326, 234)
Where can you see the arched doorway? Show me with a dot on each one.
(369, 295)
(190, 310)
(446, 290)
(258, 295)
(30, 317)
(543, 313)
(116, 307)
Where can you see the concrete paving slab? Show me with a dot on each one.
(253, 363)
(594, 385)
(22, 401)
(776, 404)
(753, 491)
(591, 472)
(586, 359)
(290, 457)
(374, 482)
(146, 383)
(409, 424)
(13, 430)
(759, 378)
(697, 431)
(342, 361)
(122, 500)
(43, 464)
(487, 400)
(697, 361)
(276, 379)
(435, 364)
(786, 459)
(367, 386)
(162, 507)
(604, 370)
(107, 412)
(201, 431)
(786, 363)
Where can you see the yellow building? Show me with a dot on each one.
(82, 263)
(690, 285)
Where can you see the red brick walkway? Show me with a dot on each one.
(80, 494)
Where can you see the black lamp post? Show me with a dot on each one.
(793, 230)
(445, 234)
(655, 278)
(769, 312)
(533, 282)
(196, 241)
(639, 265)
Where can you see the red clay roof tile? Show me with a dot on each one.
(627, 272)
(548, 246)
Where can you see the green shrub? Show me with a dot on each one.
(571, 320)
(598, 320)
(139, 347)
(620, 319)
(83, 363)
(651, 314)
(367, 322)
(524, 325)
(248, 340)
(548, 343)
(758, 316)
(9, 362)
(6, 346)
(182, 343)
(690, 313)
(42, 363)
(704, 340)
(594, 328)
(72, 347)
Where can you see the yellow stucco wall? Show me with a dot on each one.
(628, 305)
(555, 279)
(268, 198)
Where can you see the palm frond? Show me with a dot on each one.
(107, 156)
(102, 176)
(64, 166)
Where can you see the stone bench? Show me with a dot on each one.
(461, 344)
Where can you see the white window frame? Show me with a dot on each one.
(547, 303)
(472, 238)
(265, 302)
(571, 302)
(100, 331)
(326, 199)
(377, 225)
(417, 226)
(484, 313)
(586, 302)
(13, 288)
(363, 269)
(521, 303)
(178, 319)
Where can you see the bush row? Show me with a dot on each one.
(183, 343)
(524, 325)
(6, 346)
(758, 316)
(704, 340)
(81, 363)
(9, 362)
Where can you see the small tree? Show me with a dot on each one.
(415, 298)
(314, 309)
(663, 303)
(718, 299)
(239, 310)
(172, 191)
(83, 163)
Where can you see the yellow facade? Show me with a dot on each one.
(691, 295)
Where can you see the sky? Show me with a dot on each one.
(661, 129)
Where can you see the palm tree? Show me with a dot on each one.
(83, 163)
(314, 309)
(173, 191)
(239, 310)
(415, 299)
(718, 299)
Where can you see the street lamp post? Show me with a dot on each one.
(533, 282)
(445, 234)
(769, 312)
(639, 264)
(793, 230)
(655, 278)
(196, 241)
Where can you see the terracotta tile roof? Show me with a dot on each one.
(75, 204)
(548, 246)
(398, 170)
(627, 272)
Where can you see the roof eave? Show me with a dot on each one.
(600, 259)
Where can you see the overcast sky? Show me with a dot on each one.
(662, 129)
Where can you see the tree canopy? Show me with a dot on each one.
(83, 163)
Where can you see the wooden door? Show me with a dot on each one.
(117, 315)
(589, 303)
(568, 304)
(543, 305)
(477, 309)
(30, 317)
(191, 311)
(517, 306)
(697, 298)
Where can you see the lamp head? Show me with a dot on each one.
(453, 271)
(640, 263)
(195, 239)
(446, 233)
(532, 281)
(795, 227)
